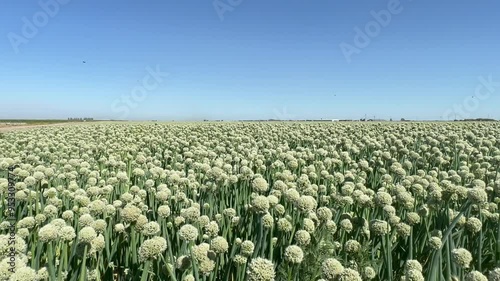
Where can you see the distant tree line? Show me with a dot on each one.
(477, 119)
(80, 119)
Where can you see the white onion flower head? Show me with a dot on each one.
(494, 275)
(331, 269)
(369, 273)
(413, 265)
(302, 238)
(414, 275)
(151, 229)
(219, 245)
(475, 276)
(240, 260)
(48, 233)
(346, 225)
(324, 214)
(87, 234)
(294, 254)
(435, 243)
(24, 274)
(247, 248)
(260, 204)
(100, 225)
(474, 225)
(164, 211)
(188, 232)
(462, 257)
(352, 246)
(212, 229)
(350, 275)
(260, 185)
(152, 248)
(268, 221)
(67, 233)
(130, 213)
(261, 269)
(379, 227)
(477, 195)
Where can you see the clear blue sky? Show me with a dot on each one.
(263, 59)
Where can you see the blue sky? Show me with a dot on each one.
(261, 59)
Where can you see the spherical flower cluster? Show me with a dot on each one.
(68, 215)
(247, 248)
(152, 248)
(212, 229)
(352, 246)
(240, 260)
(188, 233)
(474, 225)
(435, 243)
(87, 234)
(331, 269)
(191, 213)
(206, 266)
(462, 257)
(24, 274)
(119, 228)
(28, 222)
(268, 221)
(309, 225)
(477, 195)
(383, 199)
(151, 229)
(475, 276)
(23, 232)
(48, 233)
(284, 225)
(302, 238)
(260, 185)
(346, 225)
(331, 227)
(261, 269)
(349, 275)
(294, 254)
(494, 275)
(130, 213)
(324, 214)
(260, 204)
(97, 245)
(219, 245)
(306, 204)
(413, 275)
(99, 226)
(67, 233)
(200, 251)
(164, 211)
(369, 273)
(413, 265)
(403, 229)
(412, 218)
(50, 211)
(379, 227)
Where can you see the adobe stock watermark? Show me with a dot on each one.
(363, 37)
(483, 91)
(223, 6)
(150, 82)
(31, 26)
